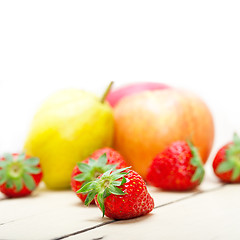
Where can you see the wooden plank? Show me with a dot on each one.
(210, 215)
(47, 200)
(53, 214)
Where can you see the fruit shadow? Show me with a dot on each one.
(159, 190)
(81, 204)
(4, 198)
(196, 190)
(106, 220)
(135, 220)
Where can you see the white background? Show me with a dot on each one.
(50, 45)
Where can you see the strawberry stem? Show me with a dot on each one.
(104, 186)
(94, 168)
(15, 169)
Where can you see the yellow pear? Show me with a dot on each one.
(68, 127)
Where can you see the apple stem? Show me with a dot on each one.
(106, 92)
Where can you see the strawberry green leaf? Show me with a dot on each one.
(236, 139)
(123, 180)
(236, 173)
(107, 173)
(83, 167)
(94, 168)
(196, 161)
(2, 172)
(232, 153)
(32, 170)
(17, 170)
(105, 186)
(225, 166)
(88, 187)
(3, 164)
(120, 170)
(91, 162)
(117, 183)
(33, 161)
(118, 175)
(8, 157)
(9, 183)
(3, 176)
(102, 160)
(18, 183)
(100, 200)
(21, 156)
(109, 167)
(106, 193)
(90, 197)
(198, 175)
(232, 160)
(80, 177)
(115, 190)
(28, 181)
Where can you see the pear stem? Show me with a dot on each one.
(106, 92)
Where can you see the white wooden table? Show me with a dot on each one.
(211, 212)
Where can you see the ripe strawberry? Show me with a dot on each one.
(226, 164)
(178, 167)
(19, 174)
(120, 194)
(100, 161)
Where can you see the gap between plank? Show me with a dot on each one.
(84, 230)
(190, 196)
(159, 206)
(15, 220)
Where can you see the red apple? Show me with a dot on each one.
(145, 123)
(116, 95)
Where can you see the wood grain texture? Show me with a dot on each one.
(214, 214)
(60, 215)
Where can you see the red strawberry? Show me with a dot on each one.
(226, 164)
(178, 167)
(90, 169)
(120, 194)
(19, 174)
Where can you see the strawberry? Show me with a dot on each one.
(19, 174)
(100, 161)
(178, 167)
(120, 194)
(226, 164)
